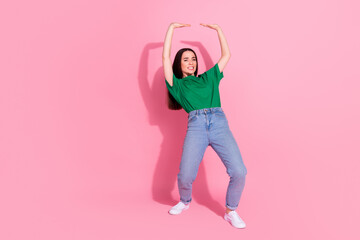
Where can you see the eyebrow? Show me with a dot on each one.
(188, 57)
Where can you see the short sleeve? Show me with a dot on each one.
(175, 88)
(214, 74)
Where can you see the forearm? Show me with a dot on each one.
(167, 42)
(225, 51)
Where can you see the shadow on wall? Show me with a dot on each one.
(172, 125)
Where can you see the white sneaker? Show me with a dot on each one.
(178, 208)
(235, 220)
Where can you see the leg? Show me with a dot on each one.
(194, 147)
(224, 144)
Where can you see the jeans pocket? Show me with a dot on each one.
(192, 118)
(220, 117)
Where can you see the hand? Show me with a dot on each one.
(179, 25)
(212, 26)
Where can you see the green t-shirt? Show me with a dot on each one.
(200, 92)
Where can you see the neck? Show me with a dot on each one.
(186, 75)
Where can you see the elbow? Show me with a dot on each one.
(165, 56)
(226, 56)
(165, 59)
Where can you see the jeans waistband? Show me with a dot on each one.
(205, 110)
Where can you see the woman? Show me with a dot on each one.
(207, 123)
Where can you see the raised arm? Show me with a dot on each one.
(168, 72)
(225, 51)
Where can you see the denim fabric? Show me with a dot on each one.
(209, 126)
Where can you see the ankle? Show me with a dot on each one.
(228, 210)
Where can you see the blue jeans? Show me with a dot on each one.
(209, 126)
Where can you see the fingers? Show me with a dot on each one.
(212, 26)
(185, 25)
(179, 25)
(208, 25)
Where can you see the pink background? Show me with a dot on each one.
(88, 149)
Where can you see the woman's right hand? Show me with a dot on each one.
(179, 25)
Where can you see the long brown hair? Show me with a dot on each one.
(172, 103)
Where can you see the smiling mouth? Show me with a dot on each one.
(191, 68)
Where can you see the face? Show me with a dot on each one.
(188, 63)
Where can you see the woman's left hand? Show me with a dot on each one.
(212, 26)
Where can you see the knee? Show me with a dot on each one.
(186, 178)
(238, 172)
